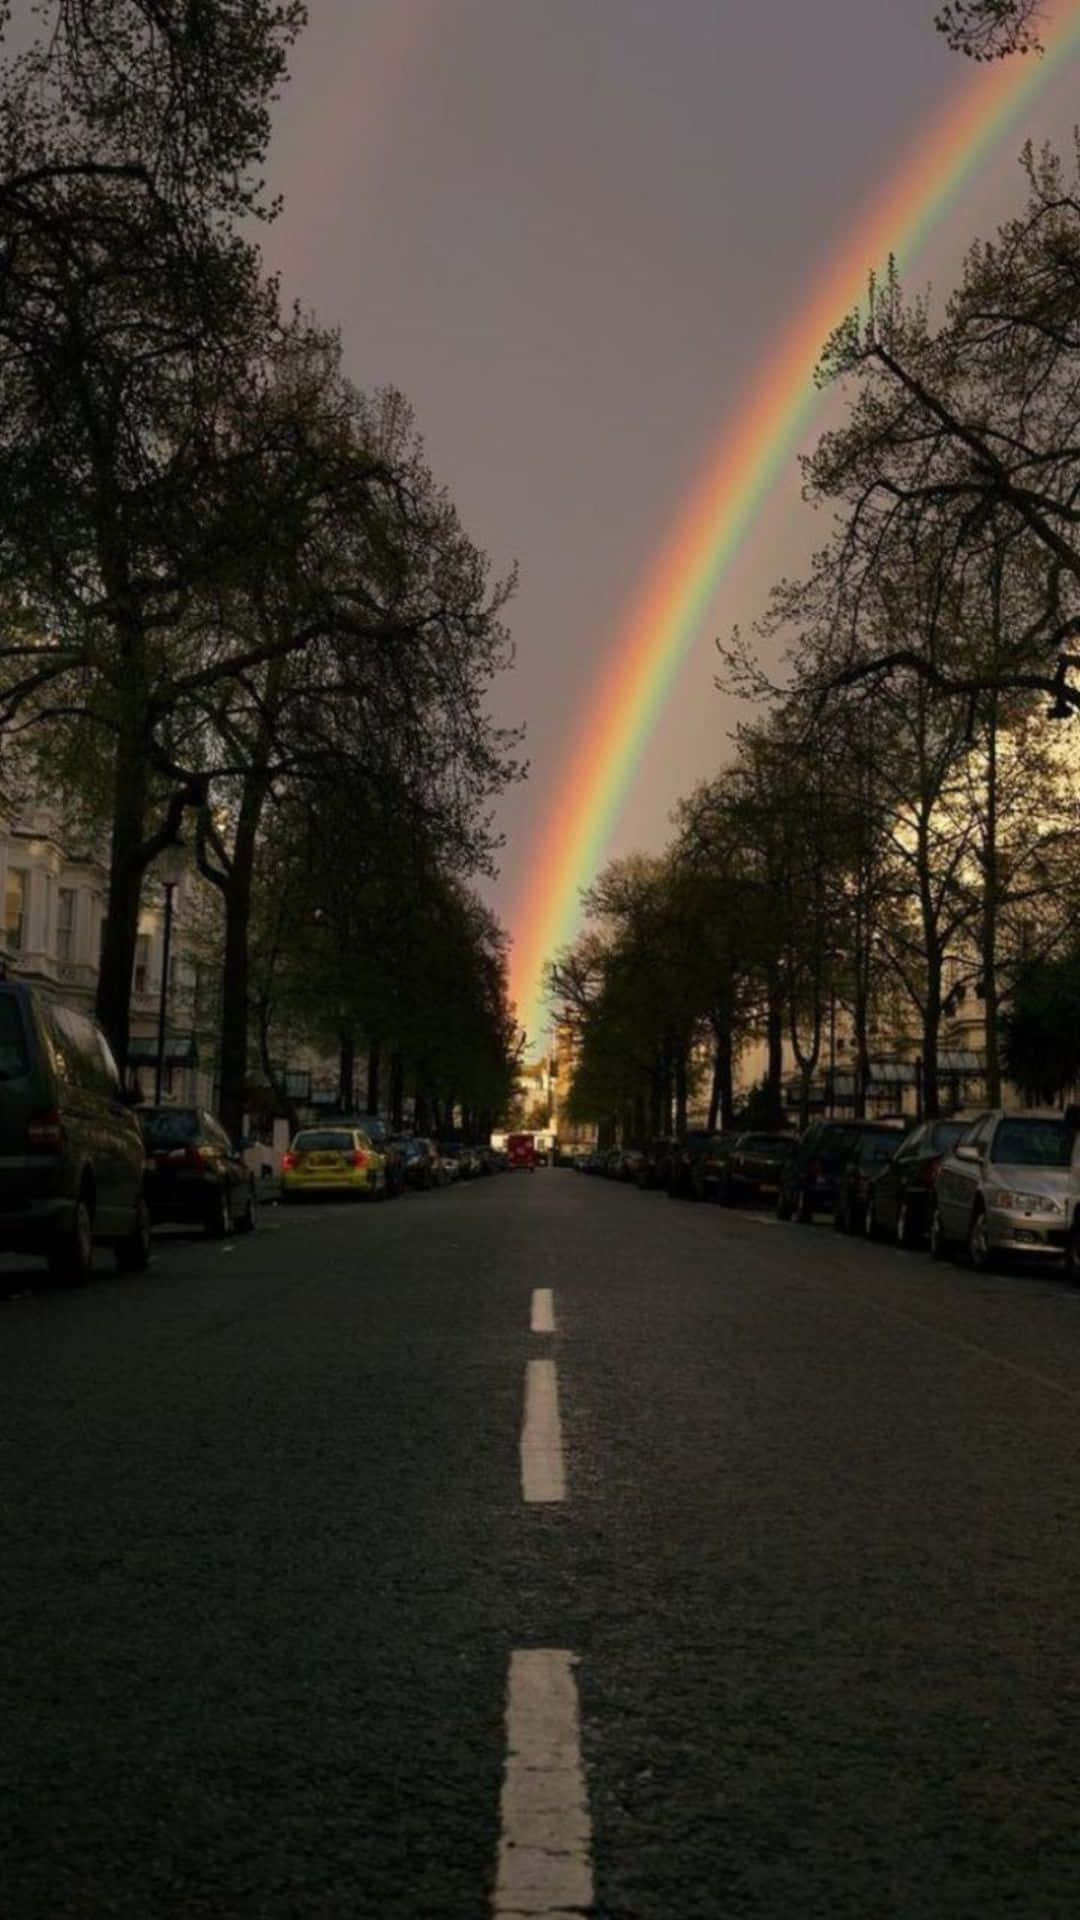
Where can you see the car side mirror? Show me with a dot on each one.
(968, 1151)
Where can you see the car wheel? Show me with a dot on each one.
(133, 1253)
(219, 1215)
(71, 1254)
(980, 1252)
(245, 1222)
(1072, 1253)
(905, 1226)
(939, 1239)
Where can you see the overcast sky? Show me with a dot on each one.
(568, 230)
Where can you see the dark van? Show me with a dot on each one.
(72, 1160)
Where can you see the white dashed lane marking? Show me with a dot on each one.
(544, 1869)
(542, 1473)
(542, 1317)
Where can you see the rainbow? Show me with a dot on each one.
(672, 602)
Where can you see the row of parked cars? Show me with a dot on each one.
(83, 1164)
(995, 1185)
(365, 1157)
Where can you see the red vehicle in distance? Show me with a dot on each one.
(521, 1150)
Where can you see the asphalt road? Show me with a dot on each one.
(265, 1561)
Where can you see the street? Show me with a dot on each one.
(273, 1548)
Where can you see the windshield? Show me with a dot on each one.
(326, 1139)
(1032, 1143)
(170, 1126)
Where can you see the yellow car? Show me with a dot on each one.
(332, 1159)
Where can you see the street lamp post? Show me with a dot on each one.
(170, 882)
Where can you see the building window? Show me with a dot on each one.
(65, 925)
(142, 963)
(15, 909)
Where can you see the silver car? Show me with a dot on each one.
(1002, 1190)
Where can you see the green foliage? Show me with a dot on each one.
(1042, 1027)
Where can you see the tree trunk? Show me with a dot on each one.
(774, 1041)
(346, 1066)
(127, 863)
(236, 969)
(373, 1076)
(988, 954)
(680, 1089)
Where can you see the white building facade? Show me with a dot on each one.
(54, 903)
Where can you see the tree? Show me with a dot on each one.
(134, 326)
(1042, 1026)
(991, 29)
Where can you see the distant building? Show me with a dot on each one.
(54, 905)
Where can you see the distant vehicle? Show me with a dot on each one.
(332, 1159)
(72, 1160)
(423, 1162)
(1003, 1189)
(1072, 1203)
(194, 1173)
(810, 1177)
(902, 1193)
(546, 1144)
(380, 1135)
(698, 1167)
(868, 1160)
(521, 1150)
(755, 1164)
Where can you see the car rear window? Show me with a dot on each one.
(326, 1140)
(170, 1126)
(1032, 1143)
(13, 1055)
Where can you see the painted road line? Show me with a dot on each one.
(542, 1317)
(542, 1474)
(545, 1869)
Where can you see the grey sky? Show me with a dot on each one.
(568, 230)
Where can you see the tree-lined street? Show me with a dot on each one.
(267, 1560)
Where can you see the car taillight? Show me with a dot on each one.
(44, 1132)
(288, 1163)
(187, 1157)
(928, 1172)
(359, 1158)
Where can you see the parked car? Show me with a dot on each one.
(423, 1166)
(194, 1172)
(655, 1168)
(754, 1166)
(1072, 1202)
(72, 1160)
(1003, 1189)
(378, 1132)
(465, 1160)
(901, 1195)
(869, 1156)
(332, 1159)
(699, 1164)
(810, 1176)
